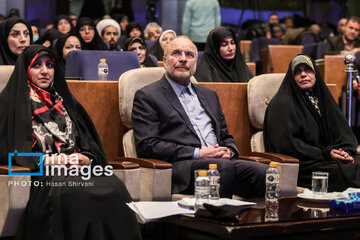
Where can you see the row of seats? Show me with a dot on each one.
(243, 110)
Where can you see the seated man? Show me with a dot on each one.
(348, 42)
(182, 123)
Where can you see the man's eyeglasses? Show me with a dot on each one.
(178, 54)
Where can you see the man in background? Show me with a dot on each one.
(109, 30)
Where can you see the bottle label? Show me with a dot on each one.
(103, 70)
(214, 180)
(272, 178)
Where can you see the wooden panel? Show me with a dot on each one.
(245, 46)
(100, 99)
(252, 67)
(334, 67)
(233, 100)
(281, 55)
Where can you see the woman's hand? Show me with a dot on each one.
(341, 155)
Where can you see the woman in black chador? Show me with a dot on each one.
(222, 60)
(39, 114)
(304, 121)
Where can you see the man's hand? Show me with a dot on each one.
(214, 152)
(341, 155)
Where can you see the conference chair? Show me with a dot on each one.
(281, 55)
(155, 174)
(260, 91)
(84, 63)
(310, 49)
(13, 197)
(307, 38)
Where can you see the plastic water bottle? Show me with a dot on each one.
(202, 189)
(272, 193)
(214, 176)
(103, 70)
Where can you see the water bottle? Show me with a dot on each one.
(202, 189)
(272, 193)
(103, 70)
(214, 177)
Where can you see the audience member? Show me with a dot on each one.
(222, 60)
(272, 21)
(200, 17)
(40, 115)
(65, 44)
(278, 32)
(2, 18)
(122, 7)
(61, 26)
(13, 13)
(133, 29)
(348, 43)
(288, 22)
(89, 38)
(35, 31)
(152, 31)
(341, 26)
(304, 121)
(15, 36)
(182, 123)
(110, 31)
(123, 21)
(73, 18)
(157, 49)
(138, 45)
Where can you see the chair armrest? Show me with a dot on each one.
(4, 169)
(146, 162)
(124, 165)
(276, 157)
(259, 159)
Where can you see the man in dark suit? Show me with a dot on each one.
(182, 123)
(348, 42)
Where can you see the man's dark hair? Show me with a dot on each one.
(353, 18)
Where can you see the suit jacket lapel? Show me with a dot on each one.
(175, 102)
(205, 103)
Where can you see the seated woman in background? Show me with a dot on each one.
(133, 29)
(65, 44)
(304, 121)
(89, 37)
(62, 25)
(39, 114)
(138, 45)
(157, 49)
(222, 60)
(15, 36)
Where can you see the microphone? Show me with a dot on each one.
(351, 59)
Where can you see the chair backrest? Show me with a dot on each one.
(154, 59)
(84, 63)
(257, 44)
(320, 49)
(149, 43)
(5, 73)
(281, 55)
(310, 49)
(260, 91)
(129, 83)
(307, 38)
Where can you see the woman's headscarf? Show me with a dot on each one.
(293, 126)
(130, 27)
(6, 56)
(97, 43)
(16, 114)
(58, 49)
(213, 68)
(156, 49)
(67, 18)
(148, 62)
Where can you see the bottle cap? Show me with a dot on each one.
(102, 60)
(273, 164)
(212, 165)
(202, 173)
